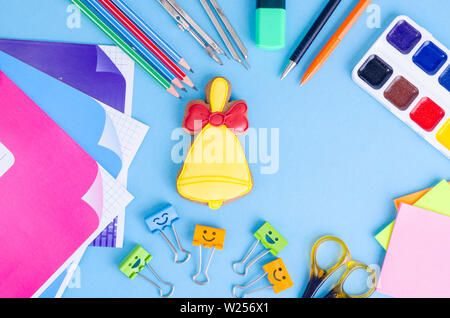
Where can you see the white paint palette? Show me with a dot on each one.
(408, 71)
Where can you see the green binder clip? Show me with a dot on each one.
(270, 239)
(135, 262)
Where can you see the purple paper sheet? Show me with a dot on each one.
(83, 66)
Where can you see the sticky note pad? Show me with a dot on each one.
(384, 235)
(419, 245)
(436, 199)
(410, 198)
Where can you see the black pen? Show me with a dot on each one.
(311, 35)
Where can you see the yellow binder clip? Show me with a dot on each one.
(277, 275)
(208, 237)
(215, 170)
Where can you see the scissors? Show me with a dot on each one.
(319, 275)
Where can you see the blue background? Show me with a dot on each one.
(343, 157)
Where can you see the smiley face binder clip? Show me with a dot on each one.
(277, 275)
(208, 237)
(165, 218)
(215, 171)
(135, 262)
(270, 239)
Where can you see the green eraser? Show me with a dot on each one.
(271, 24)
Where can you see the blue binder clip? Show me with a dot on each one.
(165, 218)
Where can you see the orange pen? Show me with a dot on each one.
(335, 40)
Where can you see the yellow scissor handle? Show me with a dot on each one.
(338, 290)
(321, 273)
(318, 275)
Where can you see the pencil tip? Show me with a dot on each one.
(171, 90)
(184, 64)
(195, 88)
(191, 70)
(184, 89)
(188, 81)
(177, 83)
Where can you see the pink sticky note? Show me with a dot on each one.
(418, 253)
(50, 194)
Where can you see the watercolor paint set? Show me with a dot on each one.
(408, 71)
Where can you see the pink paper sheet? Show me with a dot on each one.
(418, 255)
(50, 199)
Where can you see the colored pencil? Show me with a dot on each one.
(138, 46)
(152, 34)
(335, 40)
(309, 37)
(147, 42)
(127, 49)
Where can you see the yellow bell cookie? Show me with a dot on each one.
(215, 170)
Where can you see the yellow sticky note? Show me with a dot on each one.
(436, 200)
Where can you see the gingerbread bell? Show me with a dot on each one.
(215, 171)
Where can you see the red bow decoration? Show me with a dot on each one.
(234, 119)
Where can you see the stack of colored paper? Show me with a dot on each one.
(417, 245)
(87, 91)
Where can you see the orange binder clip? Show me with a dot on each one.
(208, 237)
(277, 275)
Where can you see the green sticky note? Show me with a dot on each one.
(384, 235)
(270, 238)
(436, 200)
